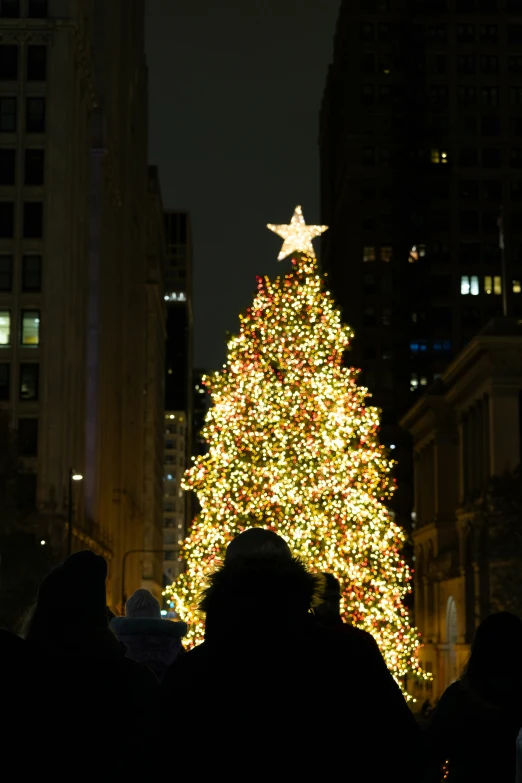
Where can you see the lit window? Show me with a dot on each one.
(30, 327)
(488, 284)
(423, 381)
(369, 254)
(465, 285)
(414, 382)
(5, 327)
(386, 253)
(474, 286)
(438, 156)
(517, 288)
(417, 251)
(419, 347)
(497, 285)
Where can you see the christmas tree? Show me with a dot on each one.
(294, 447)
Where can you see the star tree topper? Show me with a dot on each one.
(298, 236)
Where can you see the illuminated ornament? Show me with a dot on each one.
(298, 236)
(294, 447)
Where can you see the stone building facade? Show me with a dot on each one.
(467, 435)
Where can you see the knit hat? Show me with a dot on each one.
(76, 588)
(257, 542)
(142, 604)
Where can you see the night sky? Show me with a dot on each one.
(234, 93)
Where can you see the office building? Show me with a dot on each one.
(421, 147)
(467, 438)
(75, 271)
(178, 384)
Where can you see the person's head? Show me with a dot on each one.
(72, 594)
(257, 542)
(328, 612)
(496, 652)
(142, 604)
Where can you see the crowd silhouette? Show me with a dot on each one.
(280, 688)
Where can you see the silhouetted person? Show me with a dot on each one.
(426, 709)
(149, 638)
(328, 612)
(271, 686)
(476, 722)
(89, 697)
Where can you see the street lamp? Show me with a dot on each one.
(73, 476)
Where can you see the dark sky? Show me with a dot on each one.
(235, 89)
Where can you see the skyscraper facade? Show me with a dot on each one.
(421, 180)
(74, 268)
(178, 385)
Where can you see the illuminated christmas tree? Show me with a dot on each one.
(293, 447)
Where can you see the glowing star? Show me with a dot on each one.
(298, 236)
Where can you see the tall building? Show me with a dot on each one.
(467, 434)
(421, 146)
(75, 269)
(178, 384)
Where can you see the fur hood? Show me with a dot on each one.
(151, 641)
(147, 626)
(255, 594)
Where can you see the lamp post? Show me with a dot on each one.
(73, 476)
(170, 548)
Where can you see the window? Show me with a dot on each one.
(34, 167)
(5, 382)
(466, 64)
(10, 9)
(30, 327)
(470, 251)
(490, 125)
(437, 63)
(37, 9)
(367, 94)
(491, 158)
(416, 252)
(468, 125)
(7, 115)
(515, 63)
(488, 33)
(466, 95)
(7, 166)
(469, 221)
(6, 219)
(8, 63)
(497, 285)
(517, 287)
(516, 190)
(438, 95)
(369, 284)
(369, 253)
(35, 115)
(386, 253)
(387, 353)
(384, 32)
(28, 437)
(514, 33)
(367, 32)
(468, 189)
(368, 156)
(29, 382)
(36, 63)
(515, 96)
(419, 346)
(468, 157)
(438, 156)
(368, 62)
(466, 33)
(32, 273)
(385, 93)
(6, 272)
(442, 346)
(489, 64)
(469, 285)
(489, 96)
(33, 220)
(387, 316)
(414, 382)
(369, 318)
(5, 327)
(516, 158)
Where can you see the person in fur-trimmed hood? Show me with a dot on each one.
(271, 692)
(149, 638)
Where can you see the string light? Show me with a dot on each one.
(297, 235)
(293, 447)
